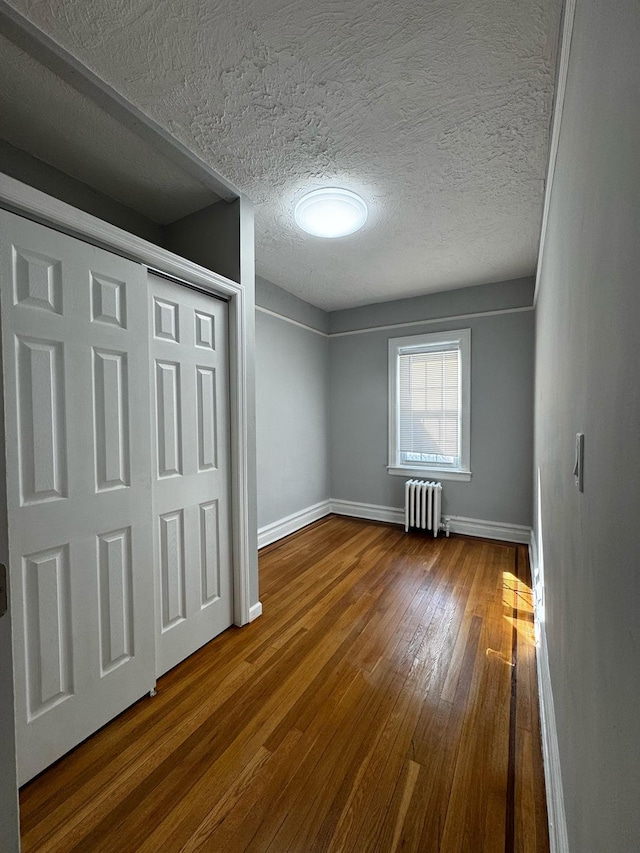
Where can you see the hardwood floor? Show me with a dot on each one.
(386, 700)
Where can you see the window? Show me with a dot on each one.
(429, 401)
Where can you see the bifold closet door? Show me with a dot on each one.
(192, 551)
(76, 390)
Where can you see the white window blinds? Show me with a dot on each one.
(430, 404)
(429, 407)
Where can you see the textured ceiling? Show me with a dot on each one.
(437, 113)
(45, 116)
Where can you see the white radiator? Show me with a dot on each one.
(422, 501)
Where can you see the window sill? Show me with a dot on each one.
(430, 473)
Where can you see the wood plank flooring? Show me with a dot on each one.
(385, 701)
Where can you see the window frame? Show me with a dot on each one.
(436, 342)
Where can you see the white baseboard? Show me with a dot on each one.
(558, 837)
(393, 515)
(489, 529)
(533, 555)
(372, 512)
(284, 526)
(457, 524)
(255, 610)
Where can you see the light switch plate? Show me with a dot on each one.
(578, 468)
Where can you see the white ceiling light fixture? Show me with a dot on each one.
(331, 212)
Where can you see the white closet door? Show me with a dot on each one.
(191, 490)
(76, 368)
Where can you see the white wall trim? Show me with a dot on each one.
(451, 318)
(27, 201)
(393, 515)
(558, 836)
(533, 554)
(244, 493)
(290, 320)
(457, 524)
(255, 610)
(554, 144)
(427, 322)
(372, 512)
(429, 473)
(535, 584)
(290, 523)
(520, 533)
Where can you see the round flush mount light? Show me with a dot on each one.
(331, 212)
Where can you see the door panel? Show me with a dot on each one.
(169, 419)
(41, 440)
(75, 350)
(191, 450)
(49, 641)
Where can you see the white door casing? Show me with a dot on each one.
(191, 489)
(75, 349)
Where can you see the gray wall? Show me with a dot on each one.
(501, 416)
(587, 379)
(210, 237)
(516, 293)
(291, 407)
(274, 298)
(191, 237)
(33, 172)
